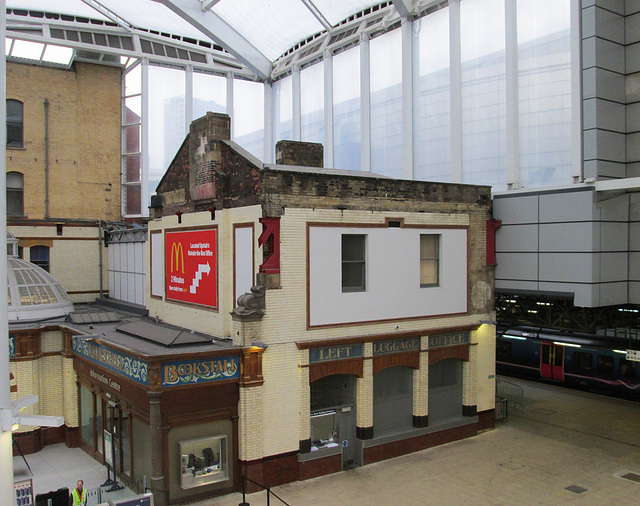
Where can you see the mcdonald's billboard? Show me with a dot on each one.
(191, 267)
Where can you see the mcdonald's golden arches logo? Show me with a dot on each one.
(177, 253)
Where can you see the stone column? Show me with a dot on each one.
(160, 493)
(470, 383)
(364, 397)
(421, 387)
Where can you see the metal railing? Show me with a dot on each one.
(268, 489)
(512, 392)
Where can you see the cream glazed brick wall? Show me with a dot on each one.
(364, 391)
(485, 336)
(282, 379)
(51, 341)
(28, 380)
(251, 429)
(216, 322)
(304, 401)
(74, 262)
(421, 382)
(286, 315)
(50, 392)
(69, 393)
(470, 378)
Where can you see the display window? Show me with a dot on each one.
(203, 461)
(324, 431)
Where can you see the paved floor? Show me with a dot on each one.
(562, 447)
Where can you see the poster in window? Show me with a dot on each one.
(191, 267)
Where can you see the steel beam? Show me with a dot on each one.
(218, 30)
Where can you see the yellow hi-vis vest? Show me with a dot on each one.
(78, 500)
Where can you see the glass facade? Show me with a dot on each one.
(459, 112)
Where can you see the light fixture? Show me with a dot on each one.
(571, 345)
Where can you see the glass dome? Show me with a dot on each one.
(33, 293)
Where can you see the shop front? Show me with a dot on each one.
(161, 422)
(377, 397)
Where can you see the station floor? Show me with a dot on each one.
(561, 447)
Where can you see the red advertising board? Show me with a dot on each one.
(191, 267)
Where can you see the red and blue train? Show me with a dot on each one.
(590, 362)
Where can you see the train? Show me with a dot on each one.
(595, 363)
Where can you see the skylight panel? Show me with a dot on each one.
(338, 10)
(70, 7)
(27, 49)
(271, 26)
(154, 16)
(57, 54)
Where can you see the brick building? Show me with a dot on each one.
(362, 303)
(63, 168)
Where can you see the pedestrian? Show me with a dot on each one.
(78, 495)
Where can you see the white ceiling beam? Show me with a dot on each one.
(317, 14)
(404, 7)
(207, 4)
(105, 11)
(218, 30)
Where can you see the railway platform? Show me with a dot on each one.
(562, 447)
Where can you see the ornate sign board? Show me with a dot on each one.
(191, 372)
(130, 367)
(191, 269)
(396, 346)
(449, 339)
(339, 352)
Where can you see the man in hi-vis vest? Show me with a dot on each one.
(78, 495)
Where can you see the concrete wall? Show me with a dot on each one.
(565, 242)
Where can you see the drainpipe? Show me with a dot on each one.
(100, 256)
(46, 158)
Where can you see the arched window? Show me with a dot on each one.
(15, 124)
(39, 255)
(15, 194)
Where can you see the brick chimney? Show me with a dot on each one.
(205, 153)
(303, 154)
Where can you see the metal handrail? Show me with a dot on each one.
(268, 489)
(510, 391)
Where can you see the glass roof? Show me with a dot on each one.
(33, 294)
(271, 26)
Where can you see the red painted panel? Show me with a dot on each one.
(191, 267)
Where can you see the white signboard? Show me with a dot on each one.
(633, 355)
(108, 449)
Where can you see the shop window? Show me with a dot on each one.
(15, 194)
(353, 262)
(627, 368)
(86, 416)
(429, 260)
(324, 431)
(392, 400)
(445, 391)
(582, 361)
(39, 255)
(15, 124)
(203, 461)
(605, 364)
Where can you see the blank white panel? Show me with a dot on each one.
(516, 210)
(139, 269)
(131, 257)
(613, 267)
(140, 289)
(517, 238)
(564, 207)
(112, 284)
(243, 260)
(517, 266)
(157, 265)
(115, 255)
(568, 267)
(566, 237)
(131, 286)
(614, 236)
(393, 276)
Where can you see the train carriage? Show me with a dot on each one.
(577, 360)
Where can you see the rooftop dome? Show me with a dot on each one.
(33, 293)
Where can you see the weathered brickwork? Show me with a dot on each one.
(299, 197)
(83, 140)
(304, 154)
